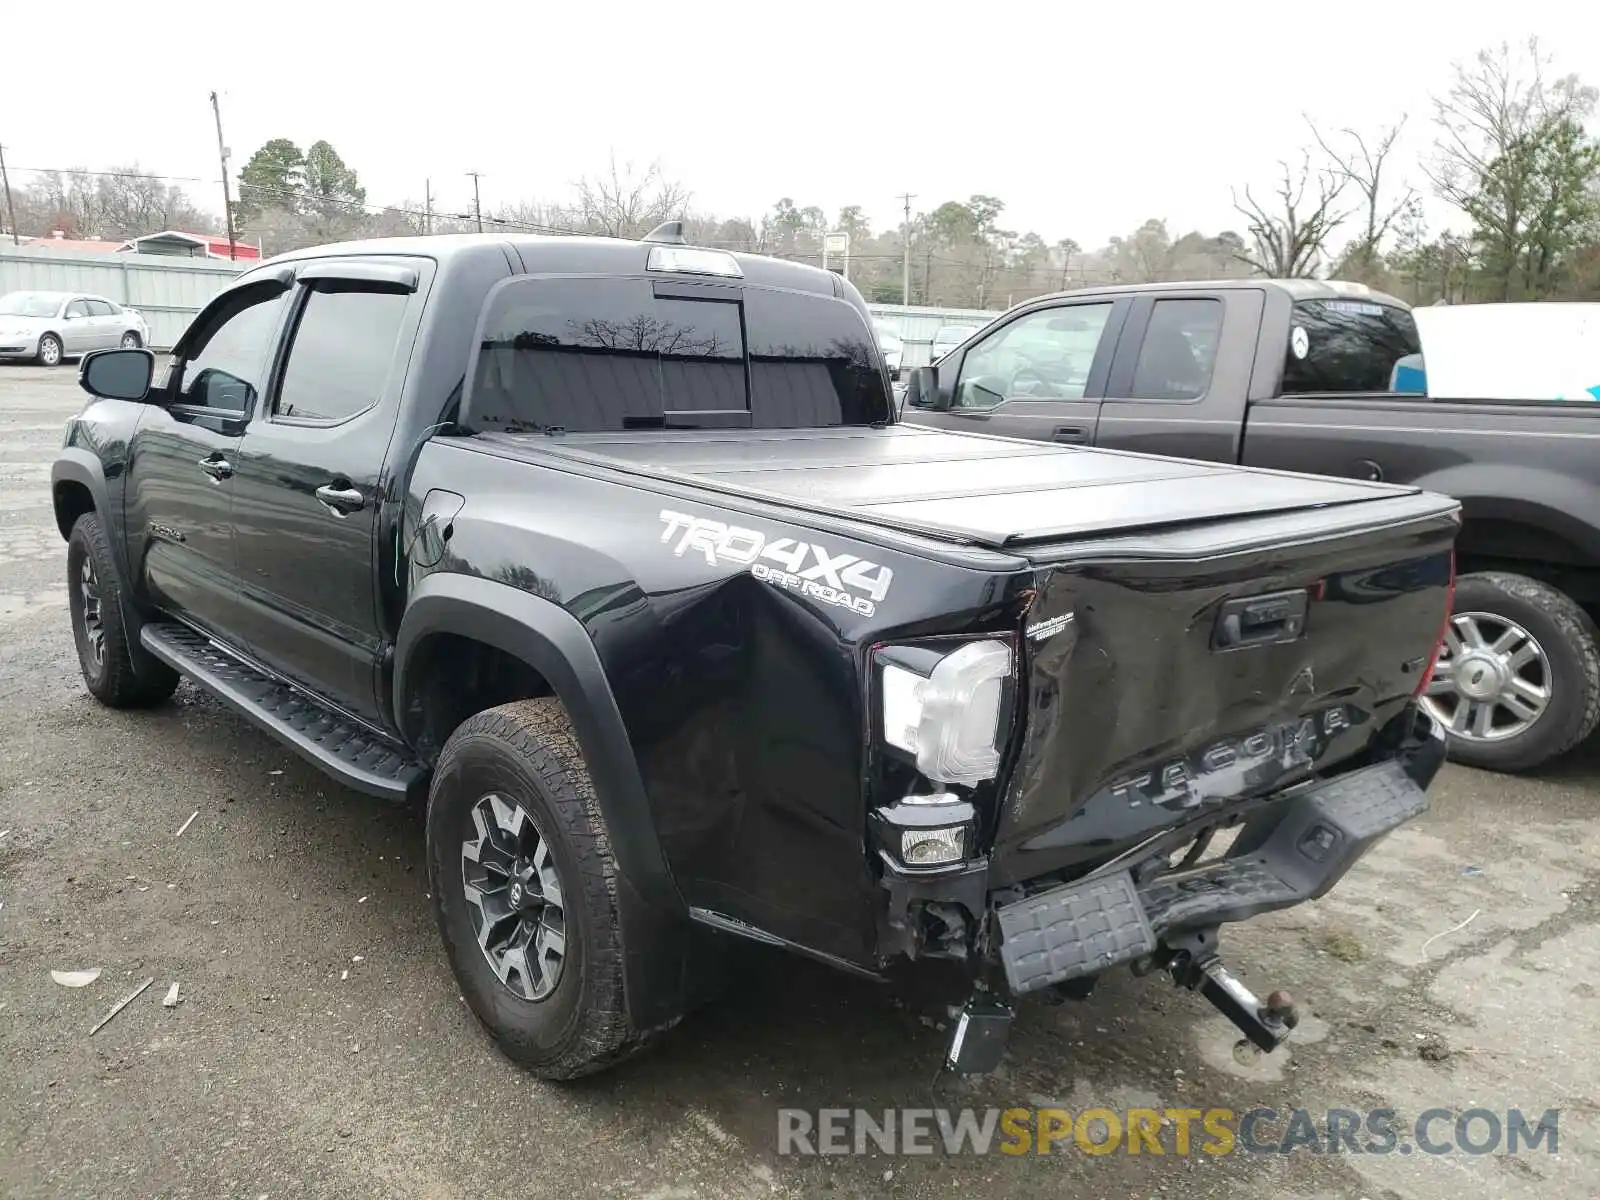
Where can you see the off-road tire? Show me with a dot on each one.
(1572, 646)
(112, 680)
(527, 752)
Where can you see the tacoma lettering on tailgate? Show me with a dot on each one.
(1232, 766)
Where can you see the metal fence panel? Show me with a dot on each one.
(916, 324)
(168, 291)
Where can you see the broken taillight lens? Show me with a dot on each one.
(1444, 627)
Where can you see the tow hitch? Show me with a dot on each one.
(1195, 966)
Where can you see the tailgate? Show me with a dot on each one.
(1164, 685)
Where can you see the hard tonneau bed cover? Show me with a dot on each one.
(1000, 493)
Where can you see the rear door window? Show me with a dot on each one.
(598, 355)
(1342, 346)
(1179, 350)
(342, 351)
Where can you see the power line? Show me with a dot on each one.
(426, 216)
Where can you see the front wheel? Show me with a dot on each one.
(130, 341)
(94, 598)
(524, 889)
(49, 354)
(1518, 678)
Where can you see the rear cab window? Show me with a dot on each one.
(1343, 346)
(595, 355)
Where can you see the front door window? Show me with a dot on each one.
(1045, 355)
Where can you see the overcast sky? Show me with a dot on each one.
(1085, 119)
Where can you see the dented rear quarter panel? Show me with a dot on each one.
(745, 699)
(736, 635)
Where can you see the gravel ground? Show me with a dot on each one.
(321, 1049)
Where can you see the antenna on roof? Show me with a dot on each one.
(668, 233)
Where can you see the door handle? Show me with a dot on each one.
(343, 500)
(217, 467)
(1070, 433)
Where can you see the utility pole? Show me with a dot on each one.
(477, 203)
(905, 267)
(11, 213)
(427, 206)
(222, 154)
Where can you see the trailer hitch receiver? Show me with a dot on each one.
(1195, 966)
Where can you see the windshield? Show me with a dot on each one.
(29, 304)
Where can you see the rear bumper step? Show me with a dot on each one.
(343, 748)
(1289, 853)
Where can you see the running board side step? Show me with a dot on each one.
(342, 748)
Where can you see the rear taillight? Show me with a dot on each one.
(1444, 627)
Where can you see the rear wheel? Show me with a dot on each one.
(524, 889)
(94, 598)
(1518, 679)
(49, 351)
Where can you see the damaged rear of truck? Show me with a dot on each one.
(904, 695)
(616, 555)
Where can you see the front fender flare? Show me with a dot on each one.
(74, 464)
(655, 930)
(82, 467)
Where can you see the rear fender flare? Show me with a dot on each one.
(1560, 504)
(555, 643)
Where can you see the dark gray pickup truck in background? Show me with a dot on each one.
(1305, 375)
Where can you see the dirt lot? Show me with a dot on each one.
(321, 1049)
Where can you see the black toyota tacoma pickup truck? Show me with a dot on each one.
(1306, 375)
(614, 554)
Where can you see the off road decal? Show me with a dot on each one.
(805, 567)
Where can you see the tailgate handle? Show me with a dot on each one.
(1261, 620)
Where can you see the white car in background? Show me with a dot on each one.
(893, 348)
(50, 327)
(947, 337)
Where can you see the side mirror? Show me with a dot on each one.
(922, 390)
(118, 374)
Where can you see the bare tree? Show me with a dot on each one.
(1288, 239)
(1360, 164)
(1513, 155)
(628, 203)
(1492, 106)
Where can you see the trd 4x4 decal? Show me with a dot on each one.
(805, 567)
